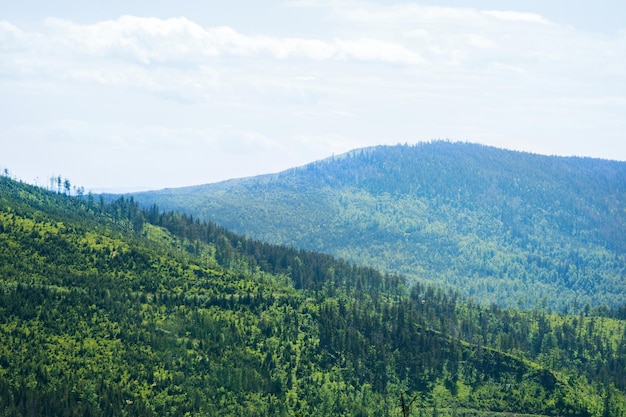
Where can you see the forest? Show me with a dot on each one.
(110, 309)
(505, 227)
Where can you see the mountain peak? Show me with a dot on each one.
(509, 227)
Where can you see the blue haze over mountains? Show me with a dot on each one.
(506, 227)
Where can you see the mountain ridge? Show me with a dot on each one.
(532, 227)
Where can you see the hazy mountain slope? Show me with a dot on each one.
(509, 227)
(109, 310)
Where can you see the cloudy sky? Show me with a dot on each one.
(156, 94)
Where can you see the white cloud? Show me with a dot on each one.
(140, 39)
(517, 16)
(377, 50)
(169, 41)
(480, 41)
(174, 58)
(177, 55)
(10, 36)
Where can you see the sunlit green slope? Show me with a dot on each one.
(513, 228)
(107, 310)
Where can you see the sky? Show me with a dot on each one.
(122, 96)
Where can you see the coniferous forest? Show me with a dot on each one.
(110, 309)
(505, 227)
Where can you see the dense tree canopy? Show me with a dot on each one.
(107, 309)
(511, 228)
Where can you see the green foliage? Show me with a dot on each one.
(106, 309)
(510, 228)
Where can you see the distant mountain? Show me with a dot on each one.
(110, 310)
(513, 228)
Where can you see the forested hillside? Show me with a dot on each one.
(512, 228)
(109, 310)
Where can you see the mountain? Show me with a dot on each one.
(108, 310)
(506, 227)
